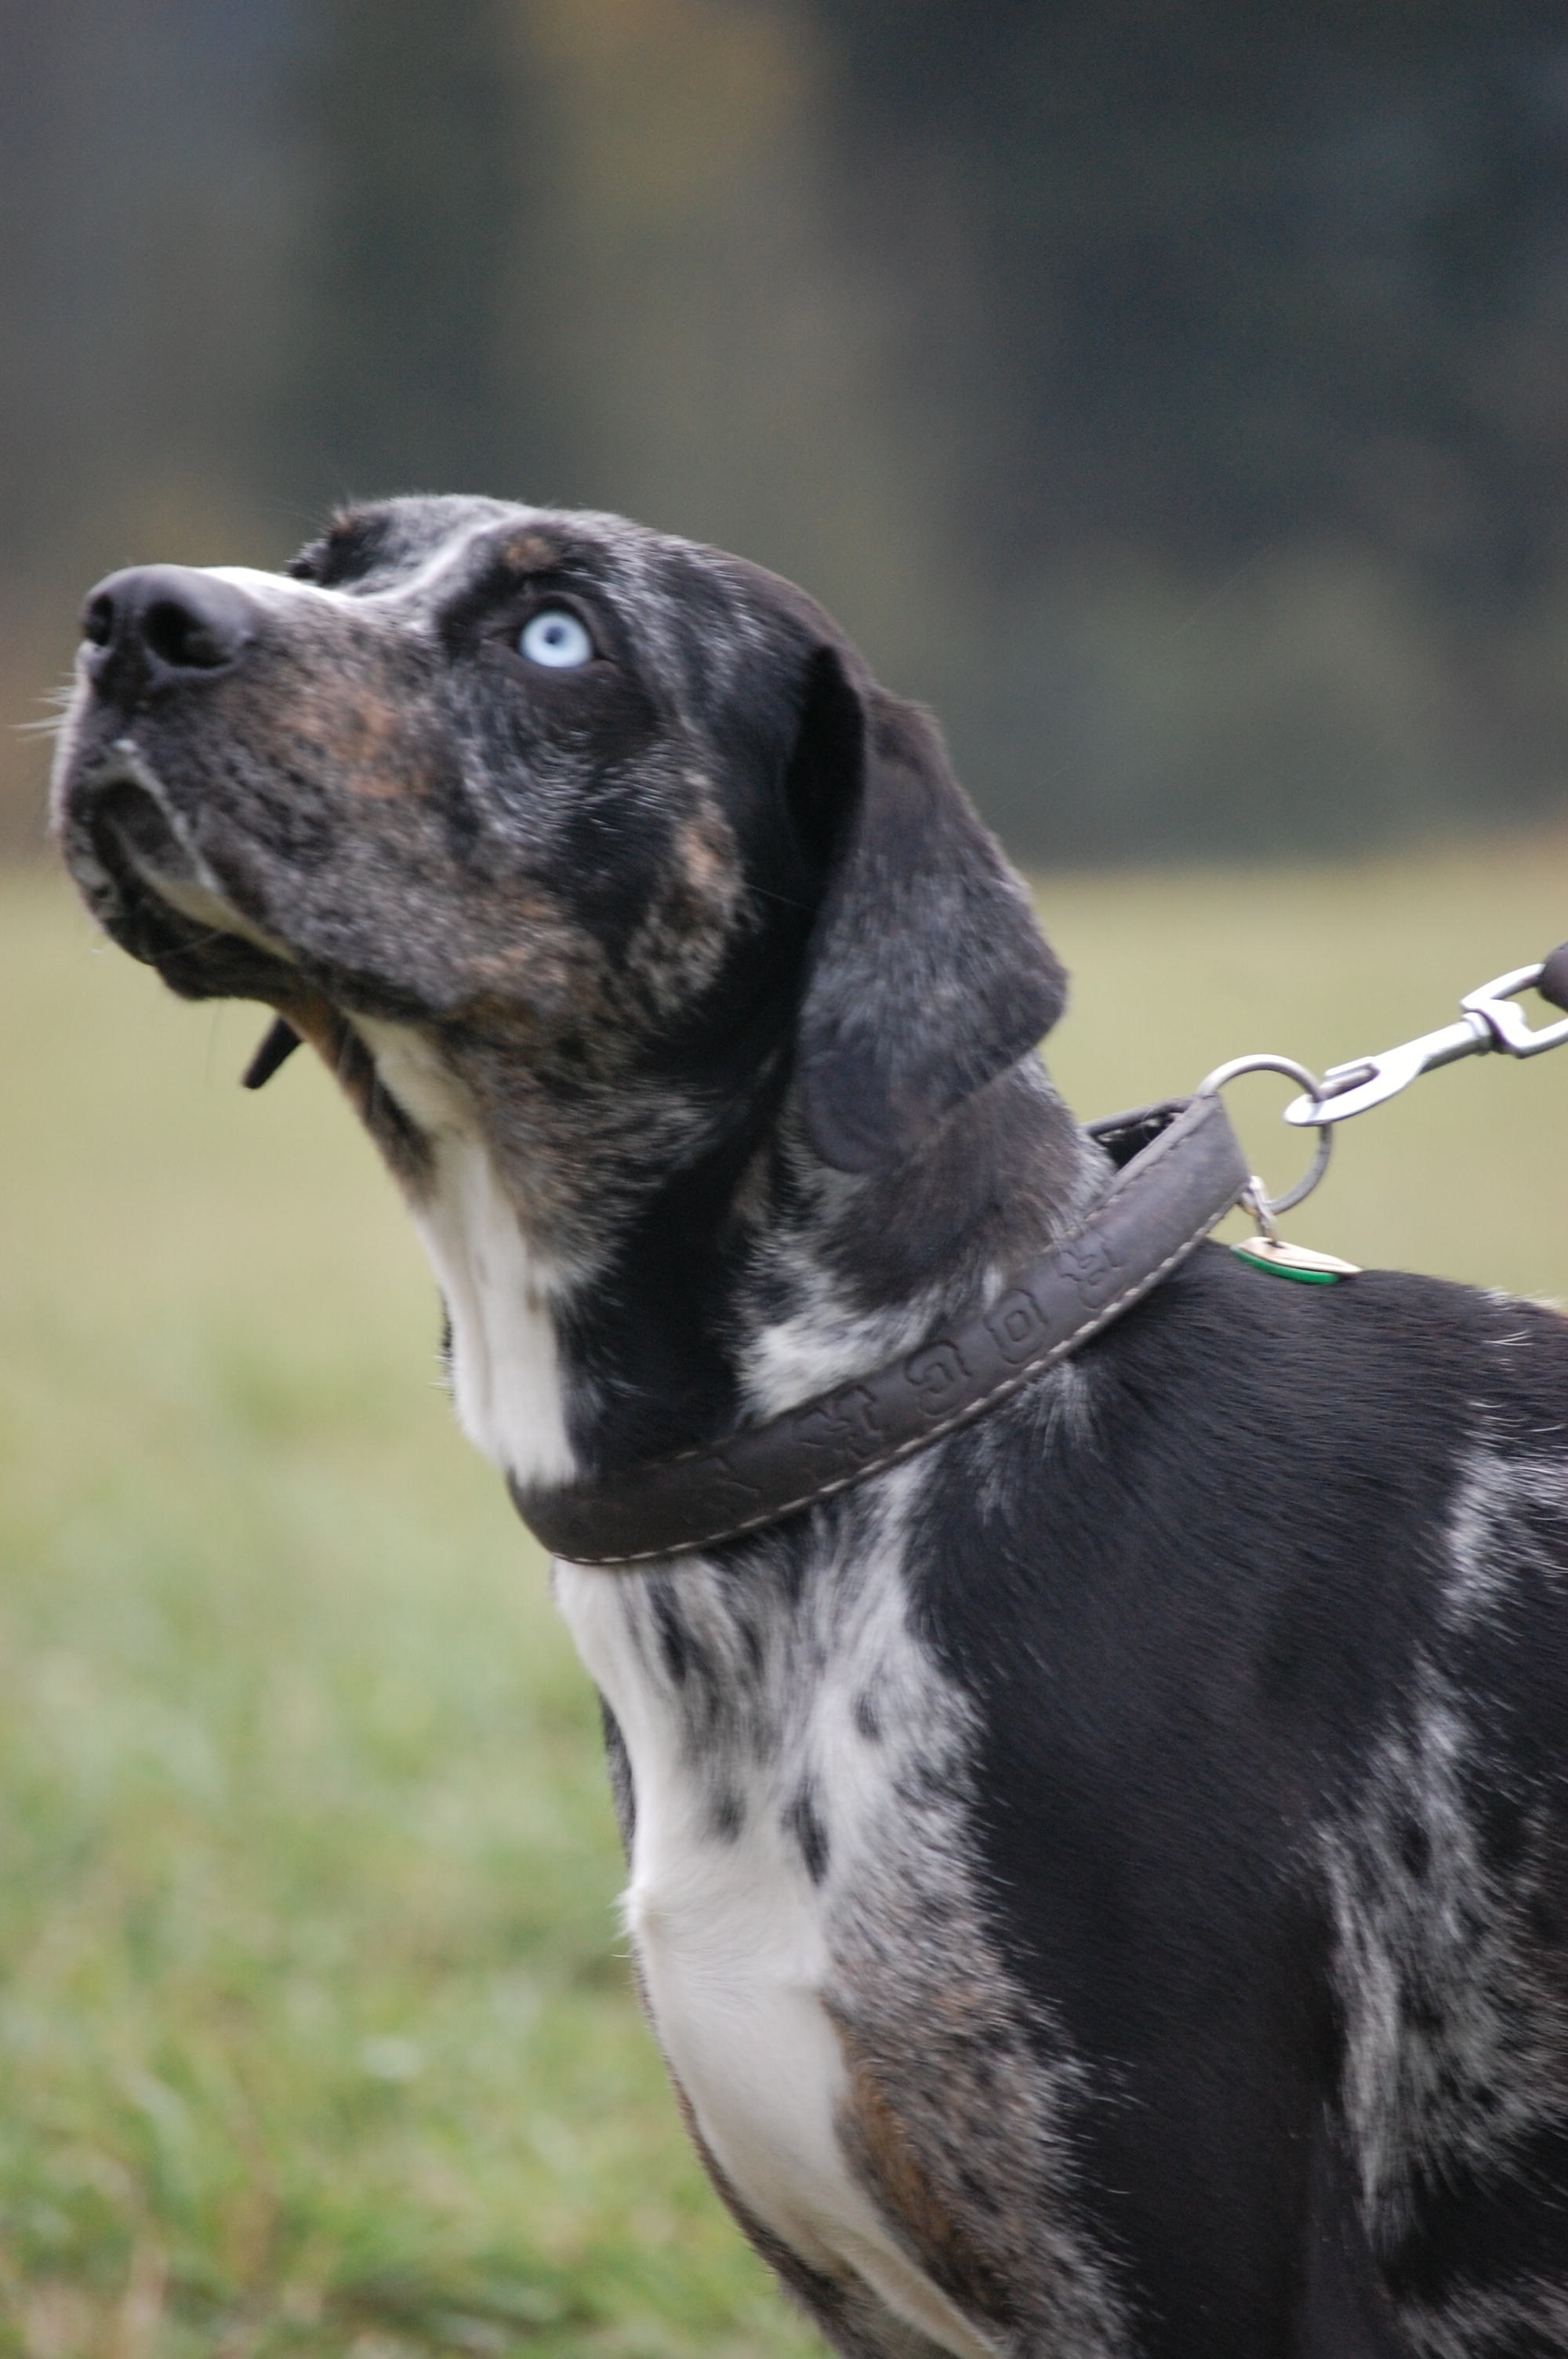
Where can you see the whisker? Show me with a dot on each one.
(61, 699)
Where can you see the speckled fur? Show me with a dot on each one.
(1101, 1889)
(1454, 2041)
(817, 1732)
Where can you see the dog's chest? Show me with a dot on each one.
(762, 1771)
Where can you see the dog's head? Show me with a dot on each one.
(547, 776)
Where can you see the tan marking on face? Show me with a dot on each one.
(709, 876)
(361, 745)
(681, 941)
(315, 1019)
(538, 972)
(529, 551)
(322, 1027)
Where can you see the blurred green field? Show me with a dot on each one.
(315, 2023)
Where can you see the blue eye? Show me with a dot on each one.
(555, 639)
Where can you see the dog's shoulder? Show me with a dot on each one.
(1250, 1485)
(1232, 1394)
(1194, 1576)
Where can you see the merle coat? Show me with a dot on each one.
(1101, 1888)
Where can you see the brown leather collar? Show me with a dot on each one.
(1180, 1169)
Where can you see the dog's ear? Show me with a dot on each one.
(925, 973)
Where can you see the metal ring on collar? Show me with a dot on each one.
(1211, 1085)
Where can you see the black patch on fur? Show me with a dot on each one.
(729, 1815)
(805, 1823)
(677, 1650)
(618, 1761)
(927, 973)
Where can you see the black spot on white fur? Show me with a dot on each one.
(804, 1823)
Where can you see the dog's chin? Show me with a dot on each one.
(143, 886)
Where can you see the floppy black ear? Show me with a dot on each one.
(926, 973)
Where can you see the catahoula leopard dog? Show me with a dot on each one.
(1098, 1877)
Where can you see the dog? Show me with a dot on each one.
(1099, 1882)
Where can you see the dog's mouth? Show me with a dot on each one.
(156, 897)
(147, 890)
(131, 830)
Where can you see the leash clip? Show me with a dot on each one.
(1490, 1020)
(1494, 1002)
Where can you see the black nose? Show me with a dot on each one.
(153, 626)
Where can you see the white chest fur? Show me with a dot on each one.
(506, 1372)
(731, 1929)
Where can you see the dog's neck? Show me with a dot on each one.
(628, 1275)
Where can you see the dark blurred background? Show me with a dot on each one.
(1176, 396)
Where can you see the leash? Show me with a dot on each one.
(1180, 1169)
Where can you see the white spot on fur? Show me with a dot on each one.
(279, 590)
(507, 1375)
(1451, 2048)
(1495, 1527)
(275, 590)
(1483, 2322)
(823, 1342)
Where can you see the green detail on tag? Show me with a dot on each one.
(1297, 1262)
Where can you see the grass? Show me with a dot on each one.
(314, 2030)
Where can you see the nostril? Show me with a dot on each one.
(98, 620)
(185, 640)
